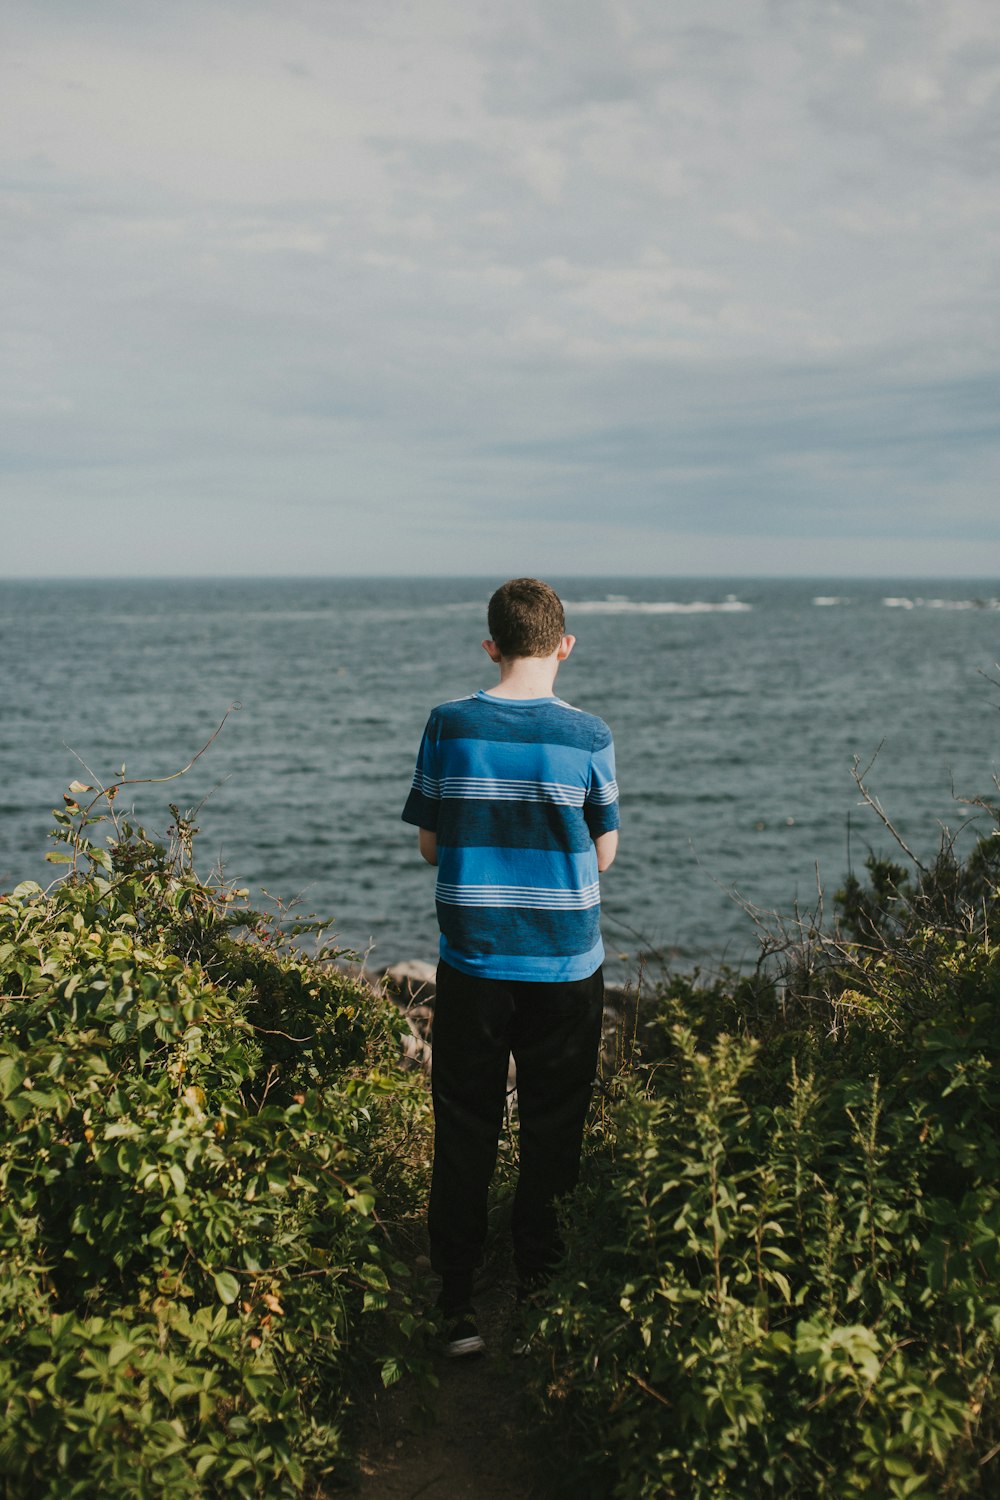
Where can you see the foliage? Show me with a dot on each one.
(897, 900)
(783, 1269)
(198, 1123)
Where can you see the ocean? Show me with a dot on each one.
(737, 706)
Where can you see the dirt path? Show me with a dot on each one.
(471, 1448)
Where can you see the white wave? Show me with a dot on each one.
(828, 600)
(616, 605)
(904, 603)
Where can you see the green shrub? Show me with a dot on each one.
(197, 1123)
(783, 1269)
(801, 1299)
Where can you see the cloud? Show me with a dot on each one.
(725, 265)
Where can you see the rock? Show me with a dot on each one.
(417, 1051)
(412, 981)
(412, 986)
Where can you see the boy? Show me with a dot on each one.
(516, 803)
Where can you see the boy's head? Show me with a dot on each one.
(526, 618)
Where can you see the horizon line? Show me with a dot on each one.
(842, 577)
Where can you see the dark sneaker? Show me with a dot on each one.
(461, 1336)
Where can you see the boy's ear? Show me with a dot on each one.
(492, 651)
(565, 647)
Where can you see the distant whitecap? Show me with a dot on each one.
(729, 605)
(946, 604)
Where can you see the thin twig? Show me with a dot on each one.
(880, 812)
(648, 1388)
(110, 792)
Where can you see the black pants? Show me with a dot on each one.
(554, 1032)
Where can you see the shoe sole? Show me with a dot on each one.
(459, 1347)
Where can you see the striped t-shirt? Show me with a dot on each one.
(516, 790)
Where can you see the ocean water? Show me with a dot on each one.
(737, 708)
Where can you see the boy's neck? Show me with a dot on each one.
(526, 677)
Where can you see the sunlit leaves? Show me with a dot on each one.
(194, 1115)
(784, 1260)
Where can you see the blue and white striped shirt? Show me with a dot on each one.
(516, 790)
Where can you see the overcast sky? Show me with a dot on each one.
(394, 286)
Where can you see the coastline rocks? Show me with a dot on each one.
(412, 985)
(412, 980)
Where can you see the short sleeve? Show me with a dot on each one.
(424, 801)
(600, 806)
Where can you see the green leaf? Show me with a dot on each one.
(12, 1072)
(227, 1286)
(241, 1466)
(374, 1276)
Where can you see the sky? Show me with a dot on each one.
(547, 286)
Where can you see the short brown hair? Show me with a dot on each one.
(526, 618)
